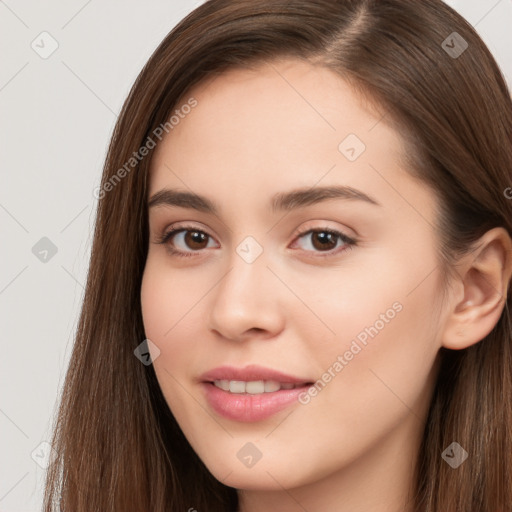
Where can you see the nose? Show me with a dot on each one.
(247, 302)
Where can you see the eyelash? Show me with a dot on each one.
(349, 242)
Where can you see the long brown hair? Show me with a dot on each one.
(118, 445)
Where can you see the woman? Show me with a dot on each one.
(298, 295)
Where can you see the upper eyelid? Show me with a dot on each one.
(297, 232)
(176, 229)
(175, 226)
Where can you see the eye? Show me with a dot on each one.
(325, 240)
(188, 239)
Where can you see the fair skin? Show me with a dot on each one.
(254, 134)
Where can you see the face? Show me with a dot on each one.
(292, 303)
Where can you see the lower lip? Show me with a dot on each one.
(250, 408)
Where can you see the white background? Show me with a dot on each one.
(57, 115)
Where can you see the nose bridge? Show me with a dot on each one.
(245, 298)
(248, 268)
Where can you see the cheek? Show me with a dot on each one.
(167, 298)
(168, 315)
(172, 312)
(388, 342)
(161, 313)
(385, 341)
(156, 306)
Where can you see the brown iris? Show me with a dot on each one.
(322, 240)
(194, 239)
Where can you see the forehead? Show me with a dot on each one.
(282, 124)
(295, 100)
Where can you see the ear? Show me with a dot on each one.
(482, 286)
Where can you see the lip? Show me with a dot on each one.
(249, 373)
(250, 407)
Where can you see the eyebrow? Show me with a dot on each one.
(283, 201)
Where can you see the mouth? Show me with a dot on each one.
(251, 394)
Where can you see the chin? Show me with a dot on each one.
(265, 475)
(257, 481)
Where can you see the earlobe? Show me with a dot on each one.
(485, 275)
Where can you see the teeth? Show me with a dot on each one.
(236, 386)
(272, 385)
(254, 387)
(223, 384)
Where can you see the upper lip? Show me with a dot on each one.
(250, 373)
